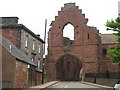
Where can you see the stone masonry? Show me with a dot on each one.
(85, 45)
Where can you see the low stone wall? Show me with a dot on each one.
(102, 81)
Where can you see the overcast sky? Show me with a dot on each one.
(32, 13)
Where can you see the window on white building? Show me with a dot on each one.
(28, 66)
(26, 41)
(38, 64)
(33, 45)
(39, 50)
(33, 58)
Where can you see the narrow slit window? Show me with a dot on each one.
(88, 36)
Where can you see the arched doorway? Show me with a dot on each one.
(68, 68)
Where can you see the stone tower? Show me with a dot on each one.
(66, 58)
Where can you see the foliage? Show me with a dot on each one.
(114, 25)
(45, 72)
(114, 54)
(81, 78)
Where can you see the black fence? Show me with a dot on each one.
(111, 75)
(6, 84)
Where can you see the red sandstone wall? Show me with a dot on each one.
(21, 75)
(8, 69)
(13, 35)
(38, 78)
(14, 71)
(109, 65)
(85, 48)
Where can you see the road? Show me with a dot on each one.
(74, 86)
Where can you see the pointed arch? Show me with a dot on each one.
(68, 31)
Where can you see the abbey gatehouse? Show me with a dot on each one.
(86, 53)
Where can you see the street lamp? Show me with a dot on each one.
(44, 52)
(43, 72)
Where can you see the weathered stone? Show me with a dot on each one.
(87, 45)
(84, 46)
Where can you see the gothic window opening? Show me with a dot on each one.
(68, 31)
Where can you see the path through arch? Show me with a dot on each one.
(68, 68)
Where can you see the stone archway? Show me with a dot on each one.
(68, 68)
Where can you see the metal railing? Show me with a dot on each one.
(6, 84)
(111, 75)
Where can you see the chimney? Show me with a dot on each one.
(38, 35)
(9, 20)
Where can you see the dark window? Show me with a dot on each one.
(107, 74)
(26, 53)
(33, 59)
(88, 36)
(104, 51)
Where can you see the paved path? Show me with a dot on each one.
(41, 86)
(75, 86)
(54, 85)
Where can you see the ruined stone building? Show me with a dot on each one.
(86, 53)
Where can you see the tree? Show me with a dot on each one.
(114, 54)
